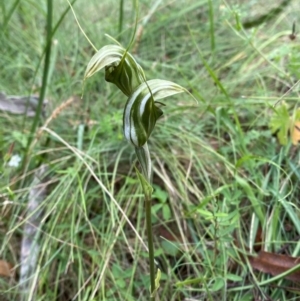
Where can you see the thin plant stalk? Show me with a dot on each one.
(10, 13)
(212, 29)
(47, 54)
(148, 205)
(45, 48)
(44, 80)
(121, 16)
(143, 156)
(45, 71)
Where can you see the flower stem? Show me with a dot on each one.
(150, 245)
(145, 179)
(121, 9)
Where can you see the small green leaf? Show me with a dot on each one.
(160, 194)
(155, 208)
(166, 211)
(205, 213)
(170, 248)
(143, 156)
(157, 283)
(218, 284)
(147, 188)
(233, 277)
(20, 137)
(191, 281)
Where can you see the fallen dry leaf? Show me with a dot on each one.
(275, 264)
(5, 268)
(30, 241)
(295, 133)
(20, 104)
(259, 239)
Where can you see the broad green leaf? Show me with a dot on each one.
(280, 123)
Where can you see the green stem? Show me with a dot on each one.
(212, 29)
(121, 16)
(143, 155)
(10, 13)
(45, 48)
(150, 245)
(44, 81)
(45, 73)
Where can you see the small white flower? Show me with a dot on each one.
(14, 161)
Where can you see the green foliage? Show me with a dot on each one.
(219, 175)
(163, 207)
(280, 123)
(294, 62)
(284, 125)
(147, 188)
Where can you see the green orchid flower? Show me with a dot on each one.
(121, 68)
(141, 110)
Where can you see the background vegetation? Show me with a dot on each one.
(224, 185)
